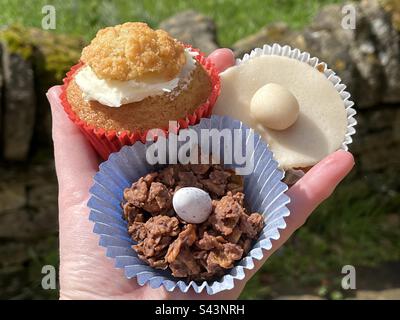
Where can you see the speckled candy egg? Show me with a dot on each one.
(192, 205)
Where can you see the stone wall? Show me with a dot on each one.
(367, 59)
(28, 228)
(32, 60)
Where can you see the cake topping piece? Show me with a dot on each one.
(134, 51)
(274, 106)
(192, 204)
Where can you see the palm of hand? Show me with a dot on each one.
(85, 272)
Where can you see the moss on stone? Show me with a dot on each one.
(17, 41)
(393, 8)
(52, 54)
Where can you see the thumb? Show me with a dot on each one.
(75, 159)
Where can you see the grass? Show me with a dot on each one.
(234, 18)
(359, 225)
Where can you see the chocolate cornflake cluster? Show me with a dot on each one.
(195, 251)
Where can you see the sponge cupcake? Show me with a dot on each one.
(132, 78)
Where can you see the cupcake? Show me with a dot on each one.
(298, 105)
(131, 79)
(195, 225)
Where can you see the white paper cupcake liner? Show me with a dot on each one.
(263, 189)
(293, 53)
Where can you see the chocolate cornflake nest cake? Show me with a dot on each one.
(196, 251)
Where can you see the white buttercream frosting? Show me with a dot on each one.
(114, 93)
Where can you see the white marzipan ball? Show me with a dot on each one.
(274, 107)
(192, 205)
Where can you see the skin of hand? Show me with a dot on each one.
(85, 271)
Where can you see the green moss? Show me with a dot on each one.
(55, 61)
(17, 41)
(52, 54)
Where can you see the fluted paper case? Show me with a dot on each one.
(264, 193)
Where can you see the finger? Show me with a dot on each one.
(222, 58)
(309, 192)
(76, 161)
(317, 185)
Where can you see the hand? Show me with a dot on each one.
(86, 273)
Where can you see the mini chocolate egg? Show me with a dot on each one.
(274, 106)
(192, 205)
